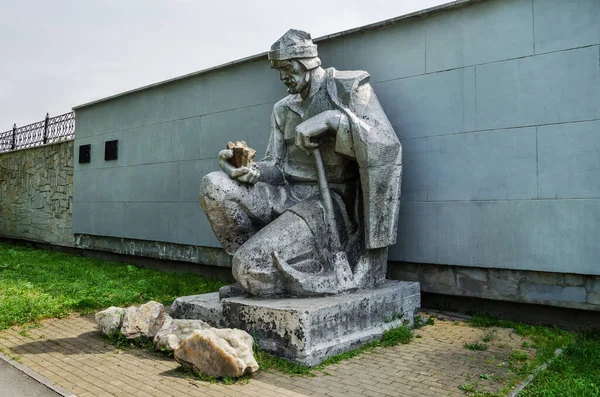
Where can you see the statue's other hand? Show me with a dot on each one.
(308, 131)
(251, 175)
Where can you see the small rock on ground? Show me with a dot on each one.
(218, 352)
(143, 320)
(174, 331)
(109, 321)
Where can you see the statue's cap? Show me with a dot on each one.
(293, 44)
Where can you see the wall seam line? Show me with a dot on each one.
(476, 103)
(537, 164)
(462, 201)
(427, 169)
(533, 24)
(490, 62)
(178, 119)
(425, 44)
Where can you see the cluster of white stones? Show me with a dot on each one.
(210, 351)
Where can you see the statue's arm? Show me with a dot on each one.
(365, 133)
(378, 152)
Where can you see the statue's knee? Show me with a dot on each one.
(217, 186)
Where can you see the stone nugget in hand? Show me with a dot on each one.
(242, 154)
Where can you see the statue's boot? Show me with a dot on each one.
(229, 291)
(299, 283)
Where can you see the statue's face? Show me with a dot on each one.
(294, 75)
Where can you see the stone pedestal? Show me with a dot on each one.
(309, 330)
(205, 307)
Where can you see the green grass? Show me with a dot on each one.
(475, 346)
(575, 373)
(546, 340)
(37, 284)
(420, 322)
(489, 336)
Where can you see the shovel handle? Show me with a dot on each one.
(326, 197)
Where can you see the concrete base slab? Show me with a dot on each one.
(309, 330)
(205, 307)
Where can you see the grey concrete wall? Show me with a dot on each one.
(497, 105)
(36, 193)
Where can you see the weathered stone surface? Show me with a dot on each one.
(308, 330)
(574, 280)
(218, 352)
(110, 320)
(472, 283)
(154, 249)
(438, 278)
(554, 289)
(592, 284)
(173, 331)
(205, 307)
(546, 293)
(143, 320)
(544, 278)
(502, 289)
(36, 194)
(593, 298)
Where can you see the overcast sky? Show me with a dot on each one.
(61, 53)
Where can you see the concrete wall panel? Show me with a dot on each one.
(193, 227)
(391, 53)
(542, 235)
(462, 37)
(151, 221)
(560, 24)
(552, 88)
(101, 185)
(443, 233)
(99, 218)
(150, 183)
(414, 172)
(494, 165)
(433, 104)
(569, 160)
(190, 175)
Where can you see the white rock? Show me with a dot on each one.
(218, 352)
(143, 320)
(173, 331)
(110, 320)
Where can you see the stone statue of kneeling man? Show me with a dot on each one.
(317, 214)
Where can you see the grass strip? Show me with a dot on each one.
(37, 284)
(575, 373)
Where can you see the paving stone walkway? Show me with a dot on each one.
(73, 354)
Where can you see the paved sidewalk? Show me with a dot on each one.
(15, 383)
(74, 355)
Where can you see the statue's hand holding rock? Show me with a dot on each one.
(237, 162)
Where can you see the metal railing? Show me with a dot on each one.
(49, 130)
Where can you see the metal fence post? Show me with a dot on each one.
(46, 128)
(14, 137)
